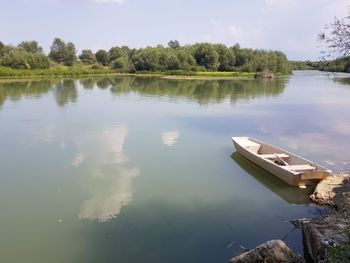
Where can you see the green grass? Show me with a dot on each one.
(84, 70)
(56, 70)
(201, 74)
(341, 253)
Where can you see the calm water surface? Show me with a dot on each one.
(125, 169)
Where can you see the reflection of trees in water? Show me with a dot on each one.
(87, 83)
(65, 92)
(17, 90)
(103, 83)
(343, 81)
(202, 91)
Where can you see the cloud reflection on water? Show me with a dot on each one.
(170, 138)
(108, 176)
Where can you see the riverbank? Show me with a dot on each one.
(326, 239)
(84, 70)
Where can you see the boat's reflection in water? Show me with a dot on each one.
(292, 195)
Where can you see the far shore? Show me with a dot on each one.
(22, 75)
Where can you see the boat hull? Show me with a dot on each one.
(291, 177)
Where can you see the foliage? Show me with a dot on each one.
(18, 59)
(340, 253)
(30, 46)
(174, 44)
(102, 57)
(206, 56)
(336, 65)
(227, 58)
(57, 70)
(61, 52)
(87, 56)
(337, 37)
(122, 64)
(188, 58)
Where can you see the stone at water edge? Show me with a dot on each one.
(269, 252)
(328, 188)
(320, 234)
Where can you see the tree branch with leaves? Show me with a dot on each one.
(336, 38)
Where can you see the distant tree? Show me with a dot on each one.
(114, 53)
(30, 46)
(19, 59)
(236, 46)
(61, 52)
(127, 52)
(206, 56)
(186, 60)
(174, 44)
(168, 60)
(2, 49)
(122, 64)
(102, 57)
(336, 37)
(147, 59)
(227, 58)
(87, 56)
(58, 50)
(71, 56)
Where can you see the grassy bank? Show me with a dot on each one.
(56, 71)
(88, 70)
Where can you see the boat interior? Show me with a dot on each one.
(277, 156)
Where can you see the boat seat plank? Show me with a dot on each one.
(274, 155)
(300, 167)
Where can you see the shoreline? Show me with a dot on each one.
(325, 239)
(199, 76)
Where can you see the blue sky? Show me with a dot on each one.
(287, 25)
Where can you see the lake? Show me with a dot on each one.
(142, 169)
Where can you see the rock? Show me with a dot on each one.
(330, 187)
(320, 234)
(271, 251)
(266, 74)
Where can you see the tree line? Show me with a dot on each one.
(341, 64)
(196, 57)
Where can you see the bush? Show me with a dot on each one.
(18, 59)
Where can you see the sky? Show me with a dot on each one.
(290, 26)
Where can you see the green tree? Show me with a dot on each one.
(227, 58)
(102, 57)
(57, 50)
(174, 44)
(87, 56)
(2, 49)
(115, 53)
(61, 52)
(19, 59)
(186, 60)
(206, 56)
(122, 64)
(71, 54)
(147, 59)
(30, 46)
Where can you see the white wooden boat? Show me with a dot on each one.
(287, 166)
